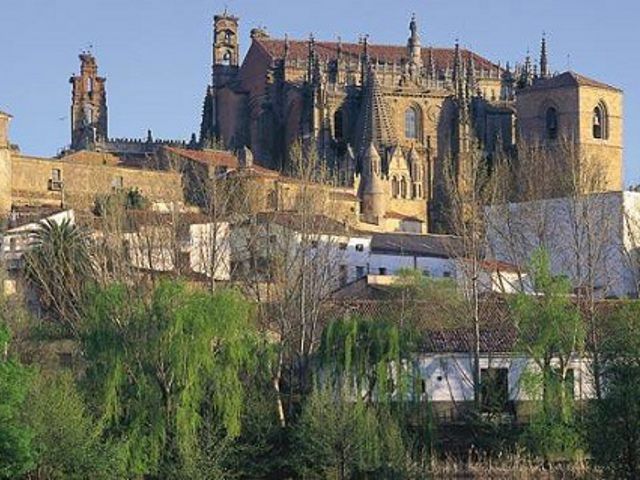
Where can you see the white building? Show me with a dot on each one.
(189, 243)
(592, 239)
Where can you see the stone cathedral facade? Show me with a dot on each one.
(388, 118)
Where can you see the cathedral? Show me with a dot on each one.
(387, 120)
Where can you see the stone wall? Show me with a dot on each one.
(82, 182)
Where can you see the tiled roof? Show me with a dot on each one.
(429, 245)
(299, 49)
(569, 79)
(218, 158)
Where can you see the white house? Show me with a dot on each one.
(592, 239)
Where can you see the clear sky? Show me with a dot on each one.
(156, 53)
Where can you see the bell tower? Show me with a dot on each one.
(88, 105)
(226, 48)
(5, 165)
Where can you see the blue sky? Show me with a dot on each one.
(156, 53)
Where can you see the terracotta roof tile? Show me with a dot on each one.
(569, 79)
(298, 49)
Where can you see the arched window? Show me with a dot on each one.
(552, 123)
(394, 187)
(403, 188)
(600, 122)
(226, 58)
(411, 123)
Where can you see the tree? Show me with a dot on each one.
(338, 437)
(17, 455)
(157, 364)
(66, 438)
(60, 267)
(551, 336)
(615, 420)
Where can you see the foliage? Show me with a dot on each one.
(615, 420)
(16, 450)
(130, 199)
(66, 437)
(60, 267)
(340, 438)
(363, 357)
(156, 365)
(413, 291)
(550, 334)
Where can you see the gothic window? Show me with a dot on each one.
(411, 123)
(228, 36)
(394, 187)
(403, 188)
(226, 58)
(552, 123)
(338, 132)
(600, 122)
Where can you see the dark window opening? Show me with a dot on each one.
(552, 123)
(382, 271)
(494, 392)
(359, 247)
(600, 123)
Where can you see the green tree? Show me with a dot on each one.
(16, 449)
(60, 267)
(615, 420)
(157, 364)
(551, 334)
(344, 438)
(66, 437)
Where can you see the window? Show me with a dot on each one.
(273, 239)
(55, 182)
(359, 271)
(382, 270)
(403, 187)
(395, 190)
(314, 244)
(446, 274)
(552, 123)
(228, 36)
(411, 123)
(494, 392)
(117, 183)
(13, 244)
(600, 122)
(342, 246)
(359, 247)
(226, 58)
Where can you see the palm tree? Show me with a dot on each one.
(59, 266)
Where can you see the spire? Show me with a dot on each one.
(431, 67)
(364, 64)
(413, 44)
(458, 81)
(470, 80)
(311, 60)
(374, 124)
(544, 62)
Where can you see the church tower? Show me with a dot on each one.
(5, 165)
(89, 120)
(226, 48)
